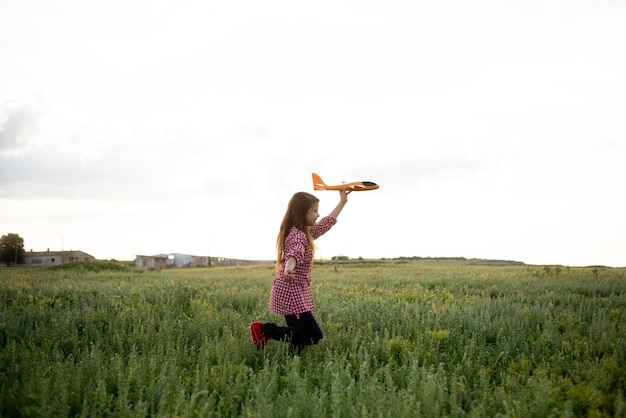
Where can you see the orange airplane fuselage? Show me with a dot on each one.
(318, 184)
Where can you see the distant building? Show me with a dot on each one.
(151, 261)
(51, 258)
(185, 260)
(181, 260)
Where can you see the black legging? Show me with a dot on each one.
(299, 332)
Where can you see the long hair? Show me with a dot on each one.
(298, 207)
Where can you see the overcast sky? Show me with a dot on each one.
(496, 129)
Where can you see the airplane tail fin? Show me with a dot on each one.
(318, 183)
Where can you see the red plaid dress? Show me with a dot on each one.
(295, 297)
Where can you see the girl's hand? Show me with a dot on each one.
(290, 269)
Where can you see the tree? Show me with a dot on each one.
(12, 249)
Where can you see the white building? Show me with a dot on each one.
(51, 258)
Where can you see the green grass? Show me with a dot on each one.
(419, 338)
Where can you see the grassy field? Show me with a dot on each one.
(401, 339)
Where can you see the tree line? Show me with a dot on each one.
(12, 249)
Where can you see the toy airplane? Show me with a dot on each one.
(318, 184)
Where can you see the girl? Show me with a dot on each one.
(291, 295)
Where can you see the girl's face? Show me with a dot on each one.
(312, 214)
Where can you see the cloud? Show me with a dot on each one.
(71, 161)
(154, 163)
(130, 174)
(413, 173)
(18, 121)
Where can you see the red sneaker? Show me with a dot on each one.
(256, 336)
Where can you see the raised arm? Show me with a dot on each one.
(343, 199)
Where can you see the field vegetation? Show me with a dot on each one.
(402, 338)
